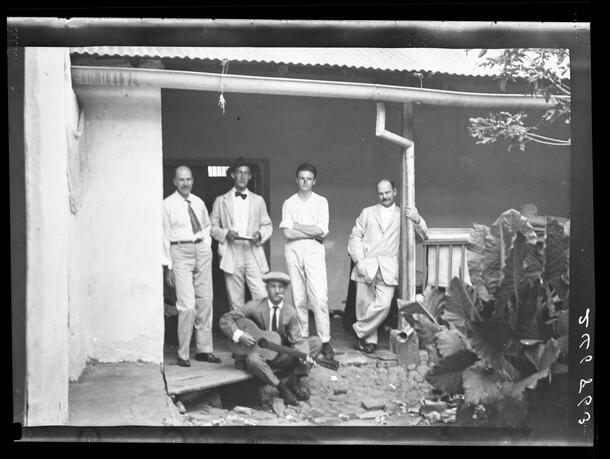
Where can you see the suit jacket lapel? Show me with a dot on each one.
(228, 201)
(377, 213)
(252, 227)
(265, 313)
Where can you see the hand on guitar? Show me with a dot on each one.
(247, 339)
(307, 360)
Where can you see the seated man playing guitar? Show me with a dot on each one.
(276, 321)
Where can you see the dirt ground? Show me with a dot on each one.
(364, 391)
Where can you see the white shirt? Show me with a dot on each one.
(177, 222)
(277, 318)
(238, 333)
(241, 211)
(386, 215)
(313, 211)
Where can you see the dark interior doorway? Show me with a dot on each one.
(211, 181)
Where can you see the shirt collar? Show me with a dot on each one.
(387, 209)
(271, 305)
(182, 198)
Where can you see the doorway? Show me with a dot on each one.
(210, 181)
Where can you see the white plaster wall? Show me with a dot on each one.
(78, 291)
(122, 213)
(47, 213)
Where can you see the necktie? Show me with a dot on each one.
(195, 225)
(274, 319)
(241, 195)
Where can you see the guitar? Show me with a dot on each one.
(268, 344)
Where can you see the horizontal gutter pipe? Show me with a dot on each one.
(199, 81)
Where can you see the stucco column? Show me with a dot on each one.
(47, 80)
(122, 209)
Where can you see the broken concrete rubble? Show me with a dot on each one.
(389, 394)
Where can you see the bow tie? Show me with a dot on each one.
(241, 195)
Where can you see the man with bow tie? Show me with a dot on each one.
(188, 262)
(241, 225)
(374, 246)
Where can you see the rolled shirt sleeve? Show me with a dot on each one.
(287, 218)
(323, 216)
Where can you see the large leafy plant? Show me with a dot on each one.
(497, 338)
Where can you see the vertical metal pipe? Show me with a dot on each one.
(407, 236)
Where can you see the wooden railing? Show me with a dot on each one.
(445, 256)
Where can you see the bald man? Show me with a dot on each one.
(188, 261)
(373, 245)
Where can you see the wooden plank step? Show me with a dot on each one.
(203, 375)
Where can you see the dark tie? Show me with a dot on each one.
(241, 195)
(195, 225)
(274, 319)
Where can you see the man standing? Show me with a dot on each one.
(241, 225)
(188, 261)
(273, 314)
(305, 225)
(373, 245)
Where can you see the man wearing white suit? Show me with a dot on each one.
(241, 225)
(374, 246)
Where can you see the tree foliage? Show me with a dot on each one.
(546, 71)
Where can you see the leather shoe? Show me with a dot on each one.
(328, 352)
(360, 344)
(207, 357)
(287, 395)
(370, 348)
(183, 363)
(300, 390)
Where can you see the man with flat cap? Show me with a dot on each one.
(274, 314)
(241, 225)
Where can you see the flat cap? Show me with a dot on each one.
(276, 276)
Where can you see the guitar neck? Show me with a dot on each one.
(283, 349)
(331, 365)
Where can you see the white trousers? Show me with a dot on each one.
(306, 263)
(373, 303)
(246, 271)
(192, 267)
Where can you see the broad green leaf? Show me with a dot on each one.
(459, 306)
(490, 340)
(543, 355)
(433, 301)
(476, 246)
(530, 382)
(527, 314)
(556, 263)
(446, 375)
(449, 342)
(489, 248)
(563, 343)
(481, 385)
(426, 329)
(522, 269)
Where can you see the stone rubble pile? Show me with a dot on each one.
(371, 390)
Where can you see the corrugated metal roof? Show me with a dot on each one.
(432, 60)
